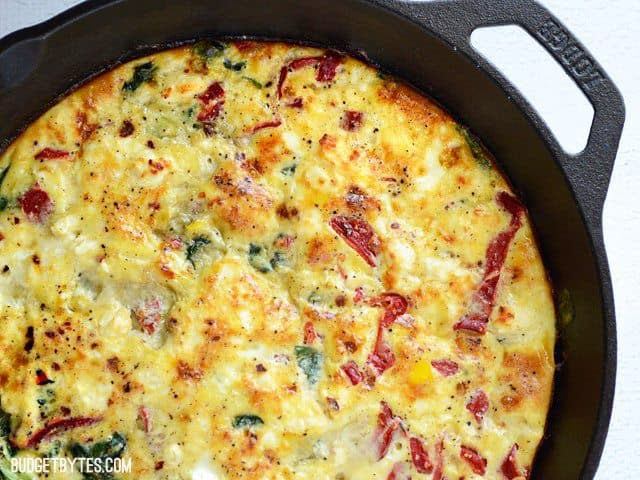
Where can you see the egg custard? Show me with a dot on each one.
(255, 260)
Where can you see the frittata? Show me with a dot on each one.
(253, 260)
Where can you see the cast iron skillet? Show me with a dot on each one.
(427, 44)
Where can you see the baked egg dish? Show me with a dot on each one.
(253, 260)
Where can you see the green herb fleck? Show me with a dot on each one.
(314, 298)
(106, 449)
(254, 82)
(207, 49)
(189, 112)
(236, 67)
(474, 146)
(142, 73)
(243, 421)
(196, 244)
(310, 361)
(258, 259)
(289, 170)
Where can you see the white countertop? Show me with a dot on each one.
(610, 30)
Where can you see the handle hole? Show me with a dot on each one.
(543, 82)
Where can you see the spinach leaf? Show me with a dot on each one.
(241, 421)
(207, 49)
(310, 361)
(277, 260)
(5, 424)
(289, 170)
(4, 201)
(111, 448)
(258, 259)
(6, 451)
(474, 146)
(236, 67)
(6, 472)
(196, 244)
(254, 82)
(142, 73)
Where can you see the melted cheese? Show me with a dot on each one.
(182, 259)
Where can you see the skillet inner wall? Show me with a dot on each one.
(403, 48)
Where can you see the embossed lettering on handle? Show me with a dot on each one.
(572, 55)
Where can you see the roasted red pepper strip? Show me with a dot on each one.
(394, 306)
(149, 315)
(420, 456)
(509, 467)
(445, 367)
(269, 124)
(351, 370)
(359, 235)
(36, 204)
(399, 472)
(41, 378)
(145, 416)
(51, 154)
(437, 473)
(478, 405)
(212, 102)
(213, 92)
(309, 333)
(351, 121)
(296, 103)
(58, 426)
(329, 63)
(477, 463)
(382, 357)
(210, 111)
(388, 425)
(327, 66)
(482, 300)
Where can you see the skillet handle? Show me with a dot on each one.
(589, 171)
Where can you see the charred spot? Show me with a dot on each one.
(350, 346)
(341, 300)
(260, 368)
(83, 127)
(327, 142)
(113, 363)
(357, 199)
(156, 167)
(35, 259)
(333, 403)
(287, 213)
(28, 346)
(126, 129)
(186, 372)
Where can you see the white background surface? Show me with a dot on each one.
(610, 29)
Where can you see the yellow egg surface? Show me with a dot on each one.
(251, 260)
